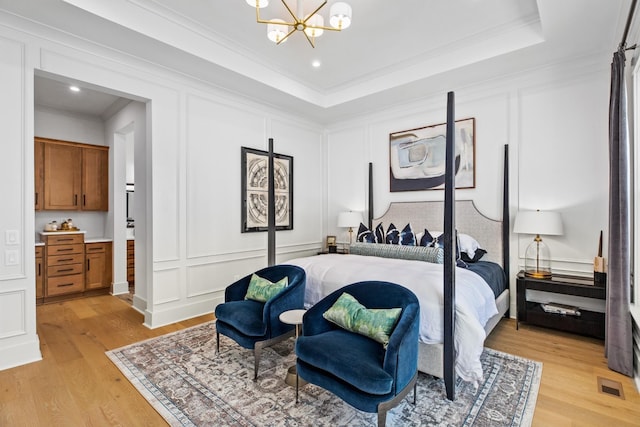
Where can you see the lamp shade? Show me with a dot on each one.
(538, 222)
(276, 31)
(349, 219)
(315, 21)
(340, 15)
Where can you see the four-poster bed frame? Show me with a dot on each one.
(496, 234)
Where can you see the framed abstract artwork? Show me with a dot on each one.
(255, 187)
(417, 157)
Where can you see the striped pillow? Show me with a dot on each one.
(416, 253)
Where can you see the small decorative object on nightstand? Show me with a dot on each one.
(560, 316)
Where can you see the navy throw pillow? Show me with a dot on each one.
(476, 257)
(426, 239)
(407, 236)
(365, 235)
(393, 235)
(379, 234)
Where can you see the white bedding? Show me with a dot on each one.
(475, 302)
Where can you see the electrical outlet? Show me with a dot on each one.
(12, 237)
(11, 257)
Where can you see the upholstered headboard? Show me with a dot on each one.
(430, 215)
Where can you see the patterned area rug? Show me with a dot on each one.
(189, 385)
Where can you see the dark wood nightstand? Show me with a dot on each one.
(587, 323)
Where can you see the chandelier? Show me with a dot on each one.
(311, 25)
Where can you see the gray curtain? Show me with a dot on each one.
(618, 343)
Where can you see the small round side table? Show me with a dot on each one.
(293, 317)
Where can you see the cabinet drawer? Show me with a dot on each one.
(131, 263)
(65, 284)
(91, 248)
(65, 249)
(65, 259)
(63, 270)
(39, 251)
(65, 239)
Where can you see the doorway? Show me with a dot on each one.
(100, 116)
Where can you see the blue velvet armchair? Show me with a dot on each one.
(256, 325)
(354, 367)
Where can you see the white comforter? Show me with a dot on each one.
(475, 302)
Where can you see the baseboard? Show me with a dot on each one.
(120, 288)
(20, 354)
(161, 317)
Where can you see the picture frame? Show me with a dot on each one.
(254, 187)
(331, 241)
(417, 157)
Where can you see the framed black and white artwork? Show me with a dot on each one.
(417, 157)
(255, 187)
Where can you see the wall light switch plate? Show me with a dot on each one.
(12, 237)
(11, 257)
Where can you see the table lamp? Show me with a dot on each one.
(349, 219)
(537, 261)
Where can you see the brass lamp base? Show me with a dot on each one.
(538, 274)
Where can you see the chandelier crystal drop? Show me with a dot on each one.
(310, 24)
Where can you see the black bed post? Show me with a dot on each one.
(370, 196)
(505, 215)
(450, 252)
(271, 211)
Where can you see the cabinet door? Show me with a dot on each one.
(98, 266)
(95, 179)
(94, 270)
(38, 155)
(62, 176)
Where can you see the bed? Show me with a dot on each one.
(440, 357)
(482, 294)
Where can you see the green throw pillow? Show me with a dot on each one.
(375, 323)
(261, 289)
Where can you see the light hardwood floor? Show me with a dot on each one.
(77, 385)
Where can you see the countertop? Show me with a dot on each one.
(86, 240)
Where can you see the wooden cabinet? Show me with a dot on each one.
(39, 274)
(131, 262)
(586, 323)
(95, 179)
(67, 267)
(65, 264)
(98, 265)
(71, 176)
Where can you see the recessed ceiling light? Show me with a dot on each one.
(315, 63)
(74, 88)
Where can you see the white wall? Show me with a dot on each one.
(192, 146)
(555, 122)
(126, 133)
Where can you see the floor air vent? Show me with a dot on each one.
(610, 387)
